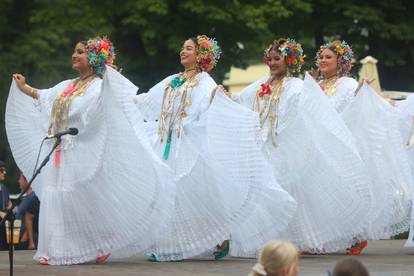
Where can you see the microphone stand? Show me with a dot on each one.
(10, 216)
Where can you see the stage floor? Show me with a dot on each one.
(383, 258)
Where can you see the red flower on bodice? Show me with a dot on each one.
(265, 89)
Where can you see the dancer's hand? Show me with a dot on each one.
(116, 68)
(361, 82)
(314, 73)
(369, 81)
(227, 93)
(392, 102)
(20, 81)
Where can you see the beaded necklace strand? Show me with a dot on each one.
(329, 85)
(178, 90)
(61, 106)
(269, 110)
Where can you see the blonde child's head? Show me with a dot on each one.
(277, 258)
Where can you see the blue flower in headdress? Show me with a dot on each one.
(91, 56)
(101, 58)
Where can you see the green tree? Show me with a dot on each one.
(38, 37)
(383, 29)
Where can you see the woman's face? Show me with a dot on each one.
(328, 63)
(80, 58)
(188, 54)
(277, 65)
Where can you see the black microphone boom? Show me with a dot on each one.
(70, 131)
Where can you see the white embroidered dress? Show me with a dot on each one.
(110, 191)
(374, 127)
(316, 161)
(218, 190)
(405, 113)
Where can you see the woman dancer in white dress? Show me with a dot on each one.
(405, 113)
(310, 151)
(405, 110)
(105, 189)
(369, 117)
(219, 185)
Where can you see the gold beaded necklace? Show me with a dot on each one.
(63, 101)
(329, 85)
(267, 105)
(178, 90)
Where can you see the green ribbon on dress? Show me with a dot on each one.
(168, 145)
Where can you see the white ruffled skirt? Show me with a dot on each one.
(374, 125)
(317, 163)
(222, 188)
(111, 194)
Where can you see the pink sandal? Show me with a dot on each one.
(44, 261)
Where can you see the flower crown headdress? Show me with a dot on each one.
(289, 49)
(344, 52)
(208, 53)
(100, 52)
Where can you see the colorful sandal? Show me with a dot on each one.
(152, 258)
(102, 259)
(44, 261)
(223, 252)
(357, 248)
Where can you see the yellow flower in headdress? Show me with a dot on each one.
(336, 43)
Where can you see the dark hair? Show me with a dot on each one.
(194, 39)
(2, 164)
(350, 267)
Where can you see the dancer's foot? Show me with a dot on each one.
(152, 258)
(222, 250)
(44, 261)
(357, 248)
(103, 258)
(164, 257)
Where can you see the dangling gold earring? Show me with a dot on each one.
(287, 72)
(338, 70)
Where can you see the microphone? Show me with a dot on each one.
(70, 131)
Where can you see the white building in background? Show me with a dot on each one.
(240, 78)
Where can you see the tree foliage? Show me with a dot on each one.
(37, 36)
